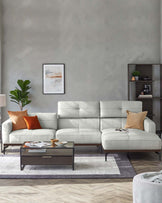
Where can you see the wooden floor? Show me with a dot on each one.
(79, 190)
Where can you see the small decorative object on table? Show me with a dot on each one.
(53, 142)
(61, 144)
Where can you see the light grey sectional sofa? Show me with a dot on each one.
(90, 123)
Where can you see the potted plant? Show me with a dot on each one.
(20, 95)
(136, 74)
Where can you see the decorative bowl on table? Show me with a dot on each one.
(61, 144)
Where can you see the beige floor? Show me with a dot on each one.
(77, 191)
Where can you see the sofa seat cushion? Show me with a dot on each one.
(20, 136)
(79, 136)
(133, 139)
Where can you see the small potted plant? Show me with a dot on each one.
(136, 74)
(20, 95)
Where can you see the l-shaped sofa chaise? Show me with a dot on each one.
(89, 123)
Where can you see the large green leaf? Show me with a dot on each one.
(24, 84)
(26, 102)
(20, 83)
(15, 94)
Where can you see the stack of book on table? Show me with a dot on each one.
(37, 144)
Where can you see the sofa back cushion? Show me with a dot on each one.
(78, 109)
(117, 109)
(78, 114)
(47, 120)
(112, 123)
(113, 113)
(95, 115)
(92, 123)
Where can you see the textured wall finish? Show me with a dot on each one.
(0, 41)
(95, 39)
(160, 31)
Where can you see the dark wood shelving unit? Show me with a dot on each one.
(151, 104)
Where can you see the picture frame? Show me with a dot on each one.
(53, 78)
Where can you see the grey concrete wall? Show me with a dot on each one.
(160, 31)
(95, 39)
(0, 40)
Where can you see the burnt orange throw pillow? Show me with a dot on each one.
(32, 122)
(135, 120)
(17, 118)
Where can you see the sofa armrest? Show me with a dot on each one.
(149, 125)
(6, 130)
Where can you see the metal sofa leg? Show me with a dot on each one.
(102, 150)
(128, 155)
(4, 148)
(3, 151)
(1, 147)
(99, 148)
(159, 154)
(106, 156)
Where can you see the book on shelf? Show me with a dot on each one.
(145, 96)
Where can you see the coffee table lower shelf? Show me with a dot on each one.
(46, 160)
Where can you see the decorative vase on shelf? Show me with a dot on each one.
(136, 77)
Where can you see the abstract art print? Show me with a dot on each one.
(53, 78)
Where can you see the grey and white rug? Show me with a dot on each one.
(86, 166)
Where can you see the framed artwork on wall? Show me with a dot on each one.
(53, 78)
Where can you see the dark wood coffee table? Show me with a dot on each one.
(47, 155)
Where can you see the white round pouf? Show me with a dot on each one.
(147, 187)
